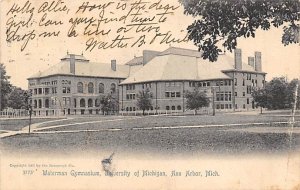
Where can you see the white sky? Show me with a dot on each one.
(277, 60)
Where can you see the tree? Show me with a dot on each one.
(260, 97)
(196, 100)
(144, 100)
(17, 99)
(291, 89)
(108, 104)
(221, 22)
(5, 87)
(276, 90)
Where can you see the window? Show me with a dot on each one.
(90, 103)
(243, 82)
(208, 83)
(66, 90)
(97, 102)
(172, 94)
(167, 94)
(82, 102)
(235, 82)
(179, 107)
(101, 88)
(40, 91)
(40, 103)
(167, 107)
(247, 100)
(244, 93)
(113, 88)
(90, 88)
(177, 94)
(54, 90)
(47, 103)
(80, 87)
(173, 107)
(235, 93)
(46, 90)
(35, 104)
(66, 101)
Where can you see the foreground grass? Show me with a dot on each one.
(161, 121)
(18, 124)
(208, 141)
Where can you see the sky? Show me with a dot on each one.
(40, 54)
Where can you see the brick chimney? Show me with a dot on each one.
(251, 61)
(258, 61)
(72, 64)
(148, 55)
(238, 59)
(113, 65)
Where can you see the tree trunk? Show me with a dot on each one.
(261, 110)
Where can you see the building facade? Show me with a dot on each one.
(75, 85)
(173, 72)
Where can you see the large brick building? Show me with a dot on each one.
(75, 85)
(169, 74)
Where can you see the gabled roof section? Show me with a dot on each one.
(84, 67)
(135, 61)
(182, 52)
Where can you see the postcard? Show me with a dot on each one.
(157, 94)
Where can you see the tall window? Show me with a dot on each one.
(113, 87)
(47, 103)
(91, 88)
(82, 103)
(90, 103)
(101, 88)
(80, 87)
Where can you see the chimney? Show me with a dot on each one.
(251, 61)
(113, 65)
(72, 64)
(148, 55)
(258, 61)
(238, 59)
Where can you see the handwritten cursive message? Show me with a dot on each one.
(100, 24)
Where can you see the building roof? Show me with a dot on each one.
(135, 61)
(84, 67)
(183, 64)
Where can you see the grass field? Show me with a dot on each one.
(160, 121)
(18, 124)
(217, 140)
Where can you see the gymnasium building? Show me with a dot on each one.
(75, 85)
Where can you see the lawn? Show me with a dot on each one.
(192, 141)
(269, 138)
(18, 124)
(162, 121)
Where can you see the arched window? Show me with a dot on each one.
(90, 103)
(82, 103)
(113, 88)
(80, 87)
(91, 88)
(47, 103)
(178, 107)
(97, 102)
(173, 107)
(101, 88)
(40, 103)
